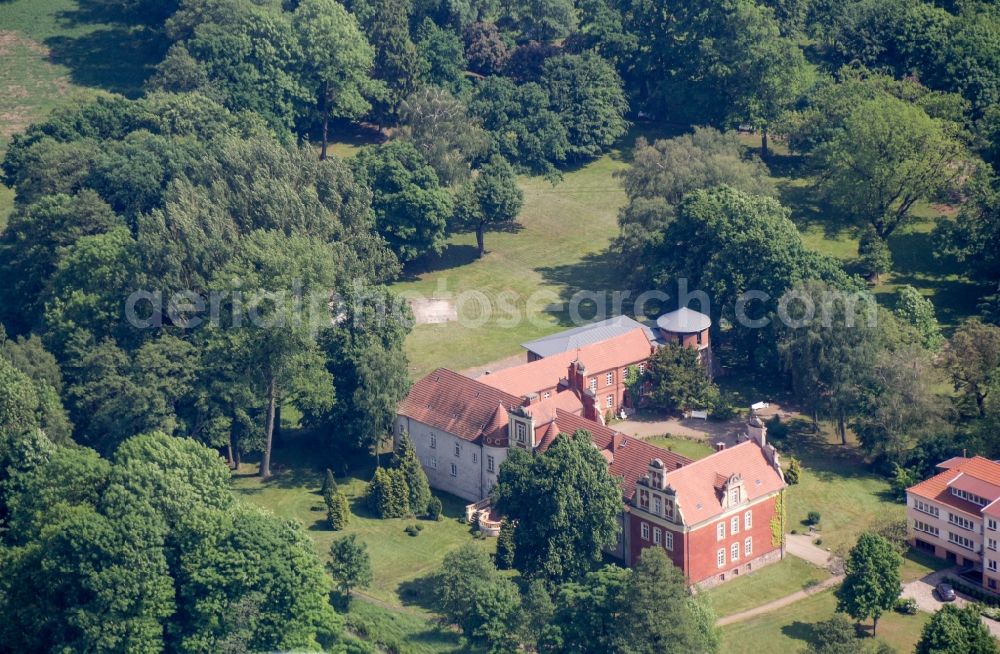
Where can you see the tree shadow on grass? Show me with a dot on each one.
(115, 58)
(587, 287)
(418, 592)
(454, 255)
(799, 630)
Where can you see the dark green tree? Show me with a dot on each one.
(952, 630)
(491, 201)
(972, 359)
(388, 494)
(505, 545)
(349, 564)
(676, 380)
(872, 581)
(419, 490)
(874, 253)
(397, 66)
(559, 535)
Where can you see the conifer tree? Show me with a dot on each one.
(337, 509)
(505, 545)
(388, 495)
(418, 488)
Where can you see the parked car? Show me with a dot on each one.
(945, 592)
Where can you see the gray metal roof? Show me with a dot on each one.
(585, 335)
(684, 321)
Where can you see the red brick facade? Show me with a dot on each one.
(696, 551)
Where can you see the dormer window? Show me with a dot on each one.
(734, 496)
(644, 499)
(657, 505)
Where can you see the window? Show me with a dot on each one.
(593, 383)
(546, 395)
(924, 507)
(924, 527)
(454, 470)
(961, 521)
(961, 541)
(458, 449)
(521, 431)
(669, 544)
(991, 543)
(734, 496)
(657, 505)
(611, 401)
(991, 524)
(434, 441)
(642, 368)
(734, 552)
(657, 535)
(490, 464)
(645, 531)
(644, 499)
(748, 547)
(720, 558)
(734, 525)
(992, 583)
(609, 378)
(668, 509)
(748, 519)
(975, 499)
(475, 458)
(991, 565)
(434, 462)
(720, 531)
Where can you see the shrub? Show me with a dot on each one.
(776, 429)
(337, 510)
(434, 509)
(793, 472)
(412, 530)
(818, 542)
(906, 606)
(813, 518)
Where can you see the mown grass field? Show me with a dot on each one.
(692, 449)
(765, 585)
(791, 629)
(401, 563)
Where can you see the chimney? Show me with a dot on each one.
(529, 399)
(719, 446)
(756, 429)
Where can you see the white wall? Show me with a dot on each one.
(470, 464)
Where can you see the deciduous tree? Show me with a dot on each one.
(872, 580)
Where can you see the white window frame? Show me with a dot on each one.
(734, 496)
(454, 469)
(748, 520)
(611, 401)
(720, 557)
(720, 531)
(657, 535)
(991, 524)
(991, 565)
(490, 463)
(734, 552)
(434, 442)
(521, 432)
(609, 378)
(434, 462)
(734, 525)
(593, 383)
(991, 544)
(748, 547)
(657, 505)
(458, 449)
(546, 395)
(644, 530)
(668, 542)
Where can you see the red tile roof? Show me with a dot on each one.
(536, 376)
(629, 457)
(697, 484)
(455, 404)
(952, 462)
(937, 488)
(970, 484)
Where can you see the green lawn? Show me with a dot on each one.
(560, 248)
(692, 449)
(765, 585)
(401, 632)
(790, 629)
(401, 562)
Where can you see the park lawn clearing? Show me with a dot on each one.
(791, 628)
(688, 447)
(401, 563)
(764, 585)
(527, 275)
(401, 632)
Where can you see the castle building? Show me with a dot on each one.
(714, 517)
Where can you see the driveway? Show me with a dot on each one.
(801, 545)
(922, 591)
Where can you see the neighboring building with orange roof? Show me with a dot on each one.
(955, 515)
